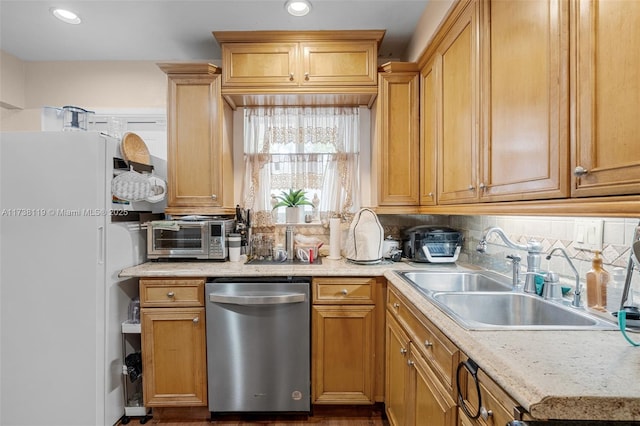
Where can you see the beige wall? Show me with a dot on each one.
(433, 15)
(91, 85)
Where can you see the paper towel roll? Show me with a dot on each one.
(334, 238)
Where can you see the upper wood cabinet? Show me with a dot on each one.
(396, 157)
(429, 130)
(606, 81)
(299, 67)
(532, 103)
(524, 104)
(457, 144)
(199, 141)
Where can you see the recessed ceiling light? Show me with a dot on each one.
(66, 16)
(298, 7)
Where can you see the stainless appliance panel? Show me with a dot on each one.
(258, 345)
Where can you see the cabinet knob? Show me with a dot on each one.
(482, 186)
(396, 305)
(471, 187)
(485, 414)
(410, 363)
(214, 197)
(344, 291)
(170, 294)
(306, 76)
(290, 76)
(428, 344)
(196, 320)
(403, 351)
(580, 171)
(430, 195)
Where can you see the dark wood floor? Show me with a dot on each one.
(341, 416)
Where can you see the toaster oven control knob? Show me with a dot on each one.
(170, 294)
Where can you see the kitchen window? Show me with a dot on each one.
(316, 149)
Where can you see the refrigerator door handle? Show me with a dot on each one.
(100, 245)
(257, 299)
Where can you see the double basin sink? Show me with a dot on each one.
(483, 300)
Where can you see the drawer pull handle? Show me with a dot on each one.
(344, 291)
(428, 344)
(403, 351)
(290, 76)
(396, 305)
(485, 414)
(306, 76)
(196, 320)
(171, 294)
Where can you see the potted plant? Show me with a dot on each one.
(293, 201)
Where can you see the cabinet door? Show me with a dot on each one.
(607, 86)
(458, 143)
(429, 130)
(525, 137)
(174, 357)
(342, 354)
(260, 64)
(431, 404)
(398, 140)
(195, 157)
(339, 63)
(397, 378)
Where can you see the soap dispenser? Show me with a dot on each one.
(597, 280)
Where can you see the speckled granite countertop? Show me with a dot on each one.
(553, 374)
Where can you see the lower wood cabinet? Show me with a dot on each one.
(346, 355)
(420, 368)
(492, 406)
(173, 342)
(414, 394)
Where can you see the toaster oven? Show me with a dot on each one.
(432, 244)
(185, 239)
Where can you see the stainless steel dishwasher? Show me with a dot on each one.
(258, 344)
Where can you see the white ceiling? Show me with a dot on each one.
(173, 30)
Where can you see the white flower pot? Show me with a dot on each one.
(294, 214)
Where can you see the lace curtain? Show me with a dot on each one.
(312, 148)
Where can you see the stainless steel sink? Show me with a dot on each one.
(484, 300)
(457, 281)
(494, 310)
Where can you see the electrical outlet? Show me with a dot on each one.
(588, 234)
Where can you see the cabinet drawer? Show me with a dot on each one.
(495, 401)
(432, 344)
(159, 292)
(357, 291)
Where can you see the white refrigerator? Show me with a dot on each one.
(61, 301)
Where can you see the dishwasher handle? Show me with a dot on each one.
(270, 299)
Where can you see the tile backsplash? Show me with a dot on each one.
(552, 232)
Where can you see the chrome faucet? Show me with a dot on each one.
(515, 264)
(577, 293)
(533, 249)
